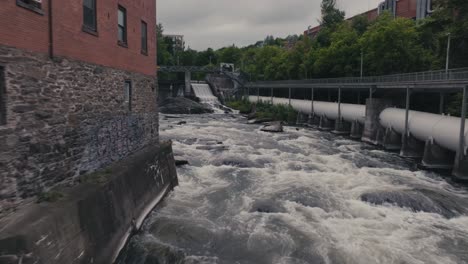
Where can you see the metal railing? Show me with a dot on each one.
(428, 76)
(164, 68)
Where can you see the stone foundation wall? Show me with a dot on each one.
(66, 118)
(93, 220)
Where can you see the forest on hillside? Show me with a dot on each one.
(387, 45)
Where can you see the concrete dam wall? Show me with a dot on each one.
(93, 220)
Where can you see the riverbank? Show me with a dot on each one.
(91, 222)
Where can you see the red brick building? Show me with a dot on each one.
(77, 89)
(26, 26)
(412, 9)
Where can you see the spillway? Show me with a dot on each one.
(204, 93)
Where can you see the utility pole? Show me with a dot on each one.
(448, 55)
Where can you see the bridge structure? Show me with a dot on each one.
(188, 70)
(437, 139)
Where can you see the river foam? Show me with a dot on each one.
(303, 196)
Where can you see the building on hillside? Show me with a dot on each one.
(77, 89)
(412, 9)
(177, 42)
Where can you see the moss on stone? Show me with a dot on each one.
(97, 178)
(50, 196)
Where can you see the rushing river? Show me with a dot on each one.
(302, 196)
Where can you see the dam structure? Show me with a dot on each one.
(203, 92)
(439, 140)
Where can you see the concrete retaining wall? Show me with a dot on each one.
(92, 221)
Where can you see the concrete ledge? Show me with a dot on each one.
(460, 170)
(412, 147)
(437, 157)
(391, 140)
(326, 124)
(356, 130)
(93, 220)
(342, 127)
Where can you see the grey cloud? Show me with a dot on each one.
(217, 23)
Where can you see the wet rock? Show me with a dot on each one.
(417, 201)
(267, 206)
(259, 121)
(180, 105)
(213, 147)
(251, 116)
(172, 117)
(275, 127)
(235, 162)
(179, 163)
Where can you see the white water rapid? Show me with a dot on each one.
(298, 197)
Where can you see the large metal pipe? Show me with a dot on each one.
(444, 130)
(349, 112)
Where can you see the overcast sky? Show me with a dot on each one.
(218, 23)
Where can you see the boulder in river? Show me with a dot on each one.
(259, 121)
(418, 201)
(180, 105)
(181, 162)
(275, 127)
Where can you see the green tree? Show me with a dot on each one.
(231, 54)
(342, 57)
(331, 15)
(163, 55)
(360, 24)
(449, 17)
(394, 46)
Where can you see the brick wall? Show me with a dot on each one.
(406, 8)
(25, 29)
(103, 49)
(66, 118)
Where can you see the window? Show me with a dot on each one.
(144, 38)
(33, 5)
(89, 15)
(128, 94)
(122, 16)
(2, 97)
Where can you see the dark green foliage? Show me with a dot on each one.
(265, 110)
(331, 16)
(97, 178)
(394, 46)
(243, 106)
(454, 107)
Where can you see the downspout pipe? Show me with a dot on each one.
(51, 31)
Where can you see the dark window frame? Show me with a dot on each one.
(144, 38)
(3, 109)
(128, 100)
(122, 27)
(90, 28)
(31, 5)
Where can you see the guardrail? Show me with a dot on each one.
(428, 76)
(188, 69)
